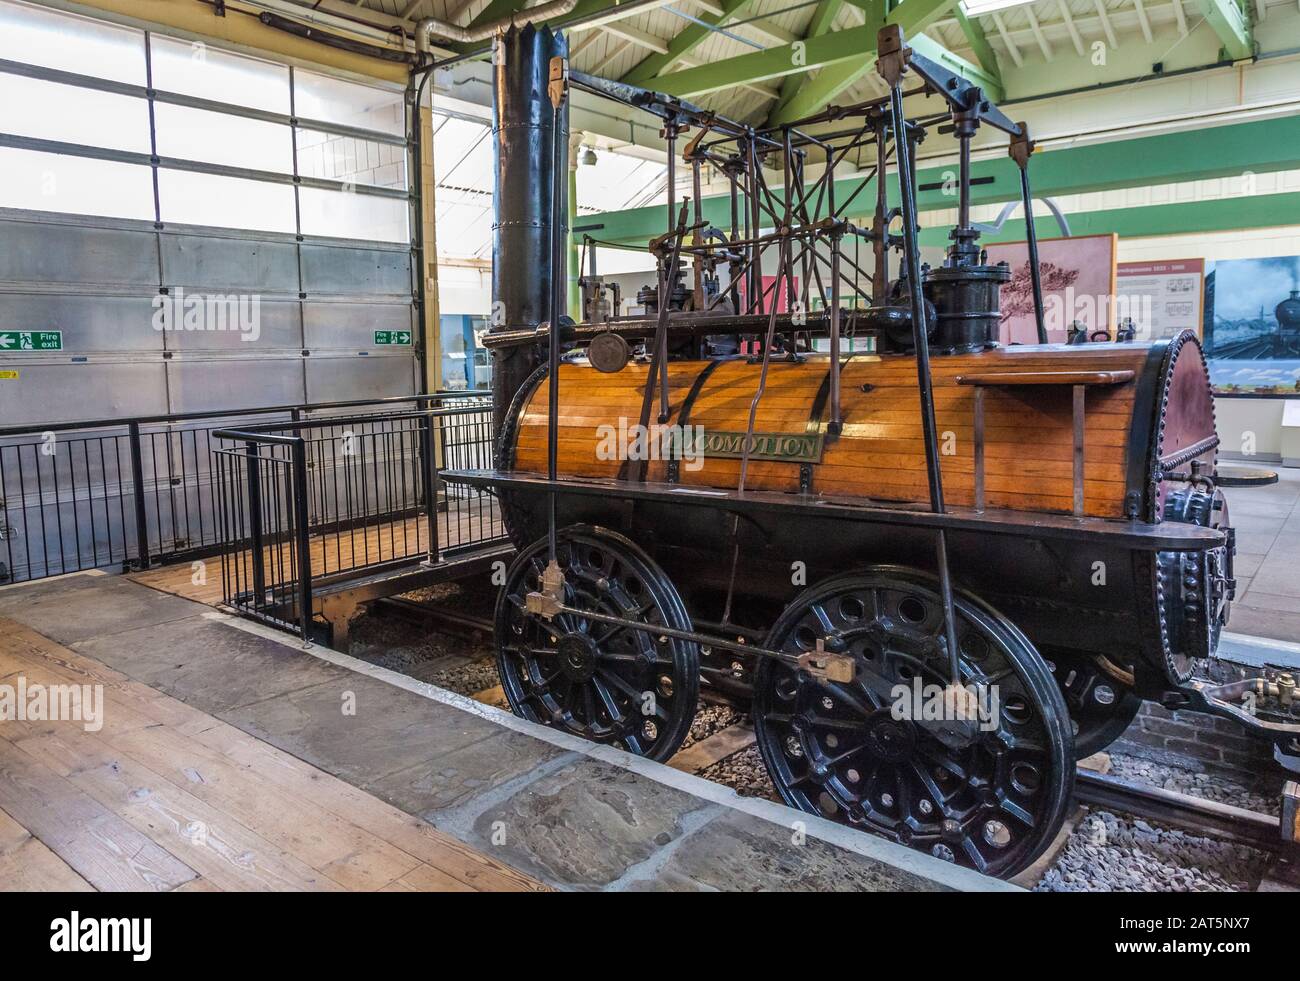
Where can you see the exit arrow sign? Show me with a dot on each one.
(31, 340)
(393, 337)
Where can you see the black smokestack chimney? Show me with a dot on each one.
(523, 124)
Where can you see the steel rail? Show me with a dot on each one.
(1181, 810)
(436, 614)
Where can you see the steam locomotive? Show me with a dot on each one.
(943, 569)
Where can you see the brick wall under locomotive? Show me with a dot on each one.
(1037, 524)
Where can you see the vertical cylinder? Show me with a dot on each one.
(523, 138)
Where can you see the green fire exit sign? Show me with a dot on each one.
(31, 340)
(393, 337)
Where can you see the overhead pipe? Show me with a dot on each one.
(429, 27)
(392, 36)
(309, 33)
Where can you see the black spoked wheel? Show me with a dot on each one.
(611, 684)
(992, 799)
(1100, 706)
(1100, 726)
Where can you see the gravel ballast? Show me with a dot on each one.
(711, 719)
(1117, 853)
(1212, 787)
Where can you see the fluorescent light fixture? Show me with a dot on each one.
(978, 8)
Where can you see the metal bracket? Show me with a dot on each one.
(558, 85)
(892, 55)
(894, 59)
(825, 666)
(549, 601)
(1021, 147)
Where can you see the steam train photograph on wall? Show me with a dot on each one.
(938, 568)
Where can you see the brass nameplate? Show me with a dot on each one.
(778, 447)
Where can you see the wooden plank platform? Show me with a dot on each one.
(166, 797)
(331, 553)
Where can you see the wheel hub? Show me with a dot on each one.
(890, 739)
(577, 654)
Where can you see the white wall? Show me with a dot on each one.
(1252, 243)
(463, 290)
(1246, 423)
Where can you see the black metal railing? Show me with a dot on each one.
(271, 471)
(133, 492)
(310, 502)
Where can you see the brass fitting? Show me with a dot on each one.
(825, 666)
(1282, 688)
(548, 602)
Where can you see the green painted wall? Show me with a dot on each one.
(1261, 211)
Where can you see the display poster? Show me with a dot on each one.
(1078, 277)
(1161, 297)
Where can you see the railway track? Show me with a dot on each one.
(443, 619)
(1198, 815)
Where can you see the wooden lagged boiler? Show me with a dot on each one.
(935, 569)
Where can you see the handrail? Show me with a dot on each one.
(221, 413)
(253, 431)
(254, 437)
(994, 379)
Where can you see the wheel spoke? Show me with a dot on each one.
(849, 697)
(837, 759)
(1017, 812)
(1022, 744)
(937, 796)
(806, 777)
(946, 762)
(521, 651)
(973, 853)
(876, 701)
(607, 700)
(827, 625)
(630, 690)
(902, 793)
(611, 629)
(839, 725)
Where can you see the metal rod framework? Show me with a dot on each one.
(804, 222)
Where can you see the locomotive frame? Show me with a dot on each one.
(629, 593)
